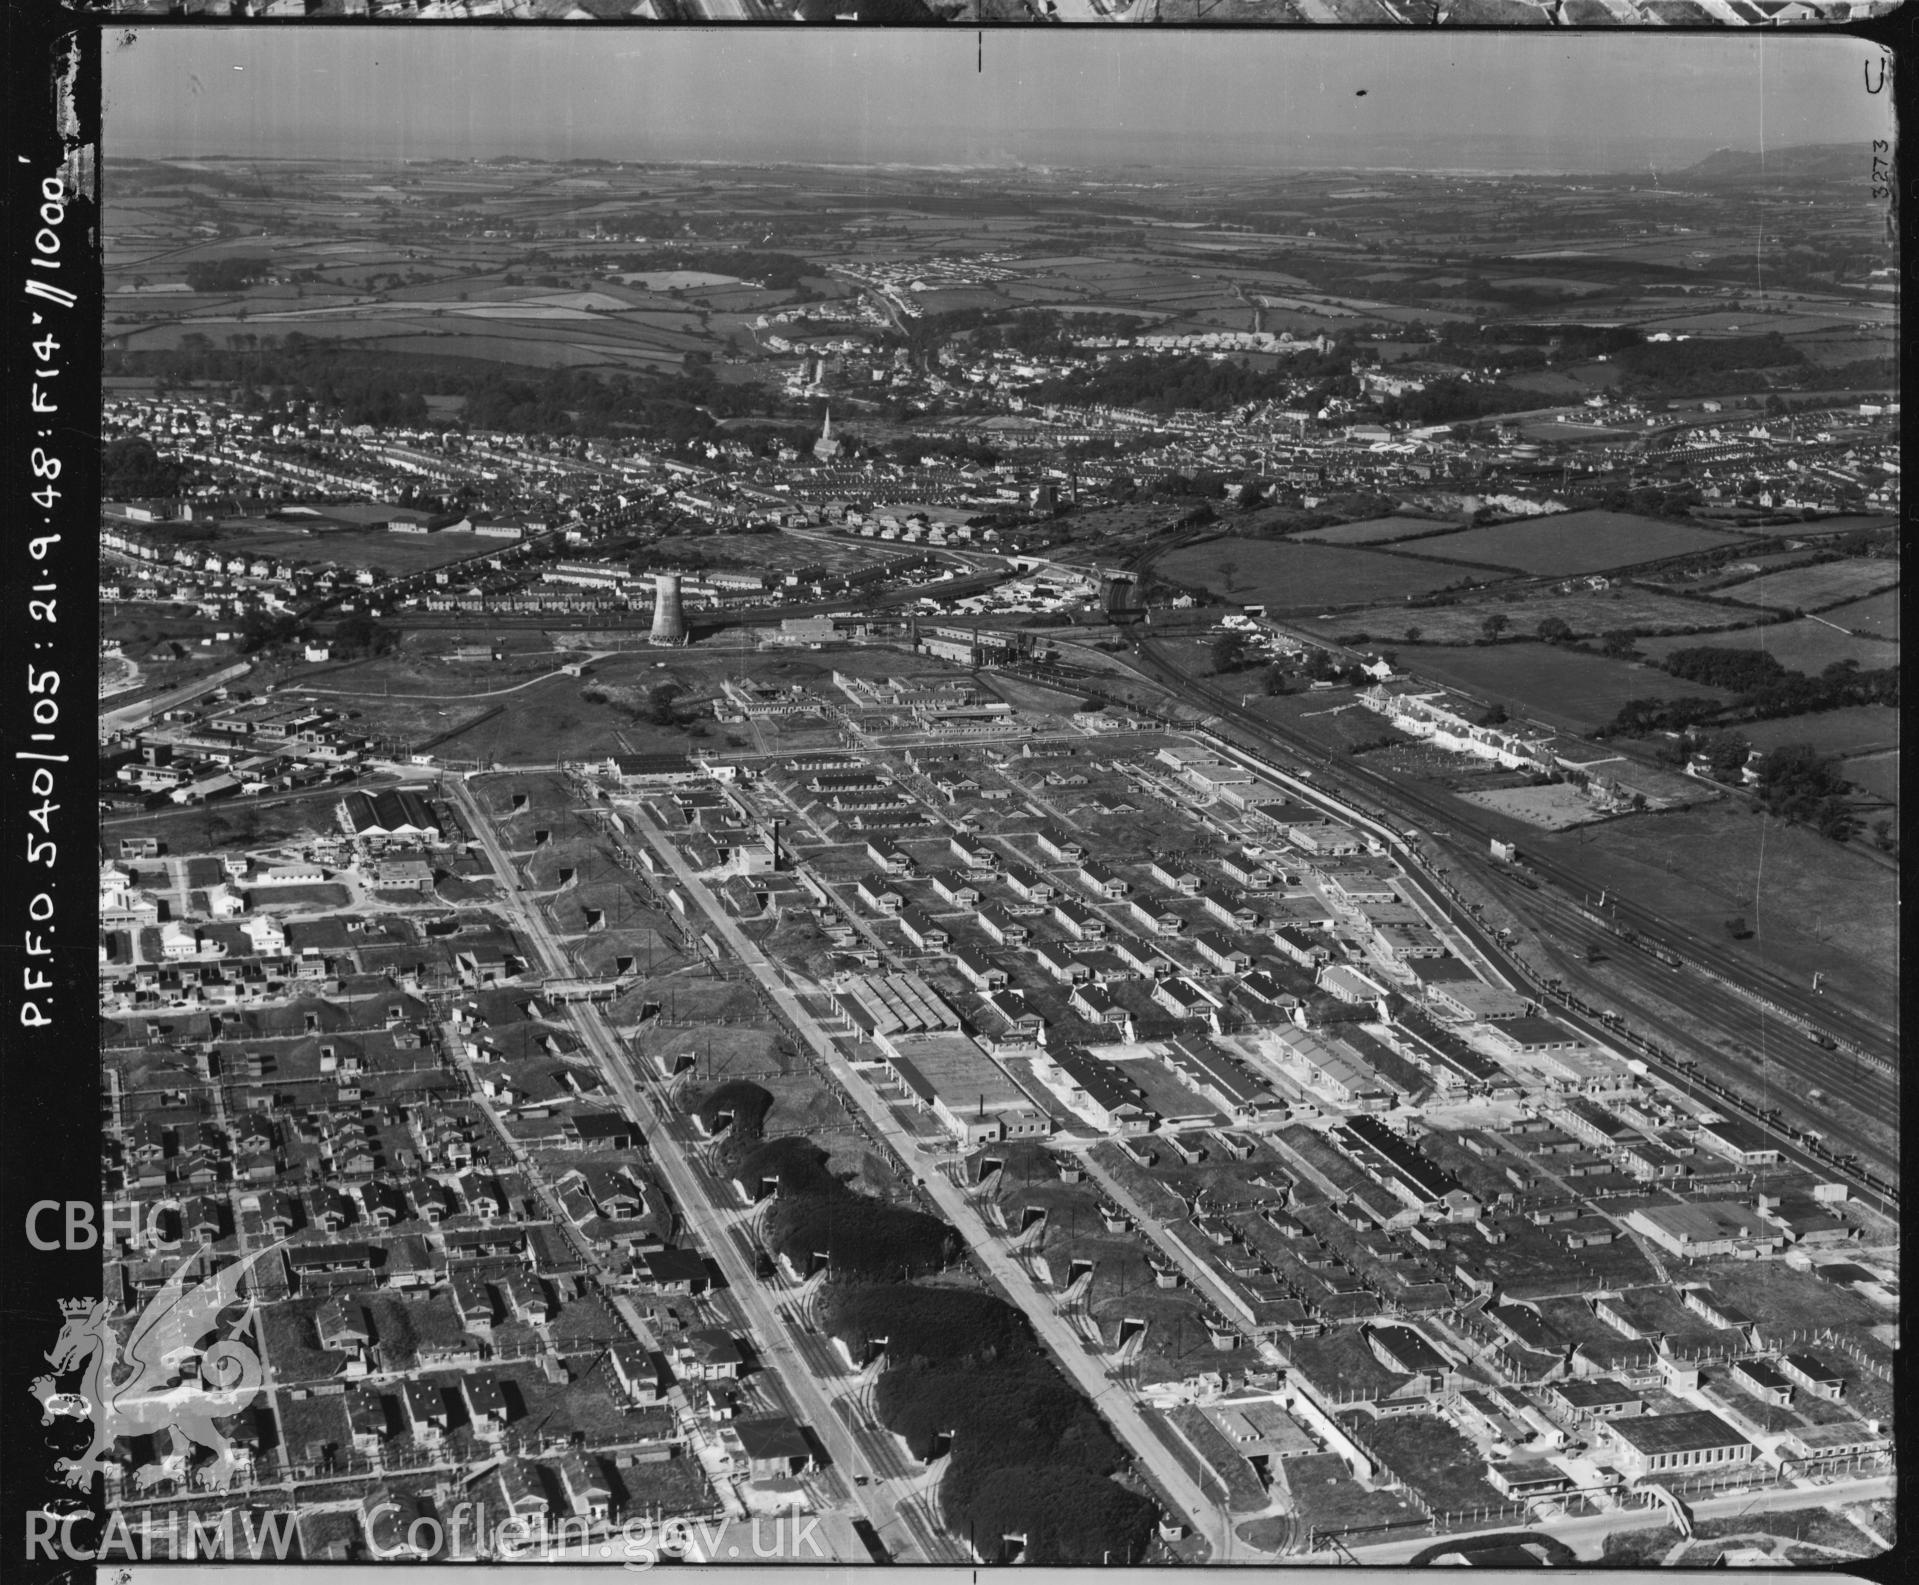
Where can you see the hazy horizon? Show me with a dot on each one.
(1295, 99)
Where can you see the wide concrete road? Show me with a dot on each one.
(1588, 1535)
(768, 1320)
(137, 715)
(1066, 1343)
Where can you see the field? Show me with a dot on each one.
(1289, 576)
(208, 828)
(1813, 905)
(1875, 776)
(1815, 588)
(1339, 1363)
(1586, 611)
(1877, 615)
(1809, 645)
(1312, 716)
(1244, 1493)
(544, 720)
(1433, 1459)
(1567, 688)
(1861, 729)
(1818, 528)
(395, 553)
(1573, 543)
(1555, 807)
(1325, 1497)
(1373, 531)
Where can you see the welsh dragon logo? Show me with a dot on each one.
(157, 1395)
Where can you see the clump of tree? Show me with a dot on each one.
(862, 1239)
(797, 1165)
(232, 274)
(1798, 784)
(1739, 670)
(360, 634)
(923, 1327)
(815, 1214)
(1158, 384)
(740, 1100)
(1684, 368)
(1028, 1456)
(1447, 401)
(1765, 690)
(131, 468)
(1231, 651)
(262, 630)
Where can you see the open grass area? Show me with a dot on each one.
(666, 1486)
(1787, 1300)
(1638, 1548)
(293, 1353)
(1819, 1526)
(309, 1425)
(1809, 645)
(1244, 1493)
(1819, 528)
(547, 720)
(1876, 616)
(1433, 1459)
(1375, 530)
(1340, 1365)
(1812, 904)
(1587, 612)
(1330, 718)
(211, 828)
(1875, 776)
(1176, 1345)
(1571, 543)
(1326, 1498)
(1568, 688)
(1817, 587)
(1287, 575)
(1860, 729)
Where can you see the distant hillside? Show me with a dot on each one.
(1798, 162)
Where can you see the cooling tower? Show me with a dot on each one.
(669, 619)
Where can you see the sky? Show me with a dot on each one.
(1545, 100)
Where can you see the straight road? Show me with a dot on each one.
(1589, 1534)
(128, 716)
(768, 1321)
(1067, 1344)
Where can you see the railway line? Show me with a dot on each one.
(1864, 1076)
(1772, 1067)
(1869, 1037)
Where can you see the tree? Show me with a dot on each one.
(1726, 754)
(360, 634)
(1229, 571)
(1229, 651)
(1618, 642)
(1496, 623)
(658, 708)
(1554, 629)
(1412, 634)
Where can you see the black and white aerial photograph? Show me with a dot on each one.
(955, 799)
